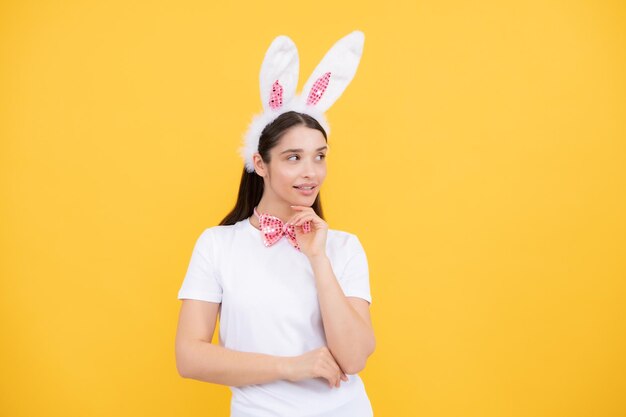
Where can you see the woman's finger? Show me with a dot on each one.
(297, 215)
(305, 218)
(302, 208)
(333, 372)
(310, 216)
(300, 217)
(327, 372)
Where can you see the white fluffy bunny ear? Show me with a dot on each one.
(279, 73)
(334, 72)
(279, 79)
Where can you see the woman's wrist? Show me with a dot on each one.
(283, 366)
(317, 259)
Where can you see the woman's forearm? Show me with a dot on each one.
(208, 362)
(350, 339)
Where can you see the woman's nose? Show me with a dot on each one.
(309, 169)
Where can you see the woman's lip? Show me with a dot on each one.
(305, 191)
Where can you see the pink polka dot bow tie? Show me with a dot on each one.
(273, 229)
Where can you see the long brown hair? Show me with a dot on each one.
(251, 185)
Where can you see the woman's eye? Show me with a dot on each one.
(296, 156)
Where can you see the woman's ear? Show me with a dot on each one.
(259, 165)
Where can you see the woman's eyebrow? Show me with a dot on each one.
(302, 150)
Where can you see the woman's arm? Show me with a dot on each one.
(197, 358)
(349, 335)
(207, 362)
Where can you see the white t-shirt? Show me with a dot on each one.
(270, 305)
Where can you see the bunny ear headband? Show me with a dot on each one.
(279, 78)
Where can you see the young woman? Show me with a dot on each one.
(295, 327)
(292, 294)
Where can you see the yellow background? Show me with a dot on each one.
(479, 154)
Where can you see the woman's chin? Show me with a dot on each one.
(306, 201)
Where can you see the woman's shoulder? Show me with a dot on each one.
(340, 234)
(211, 235)
(221, 230)
(343, 239)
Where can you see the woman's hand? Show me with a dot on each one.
(313, 364)
(313, 243)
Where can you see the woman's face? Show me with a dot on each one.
(299, 160)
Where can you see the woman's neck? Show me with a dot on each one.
(283, 211)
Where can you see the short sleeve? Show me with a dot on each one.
(201, 281)
(354, 280)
